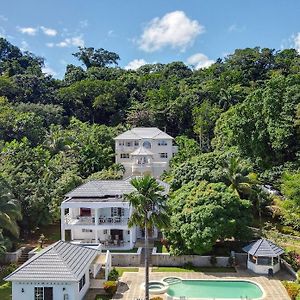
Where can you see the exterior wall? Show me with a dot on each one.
(59, 289)
(262, 269)
(126, 259)
(158, 164)
(165, 259)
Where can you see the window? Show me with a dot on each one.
(43, 293)
(105, 231)
(163, 155)
(162, 143)
(136, 143)
(124, 155)
(87, 230)
(121, 143)
(147, 145)
(81, 282)
(85, 212)
(117, 212)
(128, 144)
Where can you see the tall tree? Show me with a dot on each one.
(92, 57)
(149, 209)
(10, 210)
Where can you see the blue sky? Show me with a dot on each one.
(193, 31)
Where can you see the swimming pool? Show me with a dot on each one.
(214, 289)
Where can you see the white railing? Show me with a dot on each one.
(91, 220)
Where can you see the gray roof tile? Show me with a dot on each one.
(263, 247)
(143, 133)
(62, 261)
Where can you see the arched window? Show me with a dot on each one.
(147, 145)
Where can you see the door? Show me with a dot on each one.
(119, 233)
(48, 293)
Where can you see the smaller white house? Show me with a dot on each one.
(144, 150)
(263, 257)
(62, 271)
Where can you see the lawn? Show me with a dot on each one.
(194, 269)
(122, 270)
(102, 297)
(5, 290)
(134, 250)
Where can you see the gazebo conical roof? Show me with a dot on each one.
(263, 247)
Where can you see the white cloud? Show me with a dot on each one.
(135, 64)
(199, 61)
(76, 41)
(236, 28)
(28, 30)
(48, 70)
(3, 18)
(24, 46)
(83, 23)
(174, 29)
(296, 40)
(48, 31)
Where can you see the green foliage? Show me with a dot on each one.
(293, 289)
(110, 287)
(204, 212)
(5, 270)
(113, 275)
(290, 207)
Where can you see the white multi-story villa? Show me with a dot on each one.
(144, 150)
(97, 212)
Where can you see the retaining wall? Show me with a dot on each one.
(126, 259)
(12, 257)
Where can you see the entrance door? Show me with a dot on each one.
(118, 232)
(48, 293)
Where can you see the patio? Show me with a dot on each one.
(274, 290)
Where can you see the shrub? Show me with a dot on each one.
(189, 265)
(293, 289)
(293, 259)
(113, 275)
(6, 270)
(110, 287)
(231, 261)
(213, 260)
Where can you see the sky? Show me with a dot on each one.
(158, 31)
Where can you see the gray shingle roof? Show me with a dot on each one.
(143, 133)
(62, 261)
(263, 247)
(106, 188)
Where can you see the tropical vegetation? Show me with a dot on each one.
(236, 124)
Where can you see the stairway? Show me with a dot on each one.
(142, 259)
(24, 256)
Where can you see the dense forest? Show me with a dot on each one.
(236, 124)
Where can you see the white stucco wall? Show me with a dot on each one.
(59, 289)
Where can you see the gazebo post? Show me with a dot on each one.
(272, 261)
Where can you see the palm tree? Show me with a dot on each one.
(239, 179)
(10, 210)
(149, 209)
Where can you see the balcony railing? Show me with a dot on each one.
(80, 220)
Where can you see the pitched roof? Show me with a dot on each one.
(61, 261)
(263, 247)
(142, 151)
(106, 188)
(143, 133)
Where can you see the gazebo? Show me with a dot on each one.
(263, 257)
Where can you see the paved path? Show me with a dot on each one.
(131, 282)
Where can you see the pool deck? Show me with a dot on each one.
(129, 288)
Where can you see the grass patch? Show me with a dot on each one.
(102, 297)
(160, 247)
(134, 250)
(122, 270)
(194, 269)
(5, 290)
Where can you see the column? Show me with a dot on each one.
(96, 224)
(131, 237)
(62, 224)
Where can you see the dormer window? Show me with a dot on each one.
(147, 145)
(128, 144)
(162, 143)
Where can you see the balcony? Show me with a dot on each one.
(91, 220)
